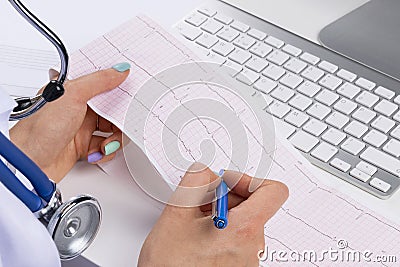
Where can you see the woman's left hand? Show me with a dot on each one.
(61, 133)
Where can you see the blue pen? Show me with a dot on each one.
(220, 217)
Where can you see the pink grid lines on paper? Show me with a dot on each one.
(314, 218)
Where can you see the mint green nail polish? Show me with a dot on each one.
(122, 67)
(112, 147)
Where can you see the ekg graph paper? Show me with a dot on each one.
(315, 217)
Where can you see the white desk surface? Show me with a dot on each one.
(128, 213)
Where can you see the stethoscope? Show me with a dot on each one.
(74, 224)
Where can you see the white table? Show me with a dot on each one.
(128, 213)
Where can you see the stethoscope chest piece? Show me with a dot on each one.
(74, 224)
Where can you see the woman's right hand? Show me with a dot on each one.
(186, 236)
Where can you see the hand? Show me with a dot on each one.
(186, 236)
(61, 132)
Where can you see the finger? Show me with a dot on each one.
(241, 183)
(261, 204)
(196, 188)
(233, 201)
(88, 86)
(105, 126)
(112, 144)
(95, 155)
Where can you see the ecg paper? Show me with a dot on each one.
(314, 217)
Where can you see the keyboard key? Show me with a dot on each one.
(278, 57)
(207, 40)
(327, 97)
(345, 106)
(260, 49)
(279, 109)
(292, 50)
(327, 66)
(257, 64)
(265, 85)
(396, 132)
(356, 129)
(367, 168)
(364, 115)
(396, 116)
(333, 136)
(337, 119)
(367, 99)
(212, 26)
(386, 108)
(392, 147)
(224, 19)
(196, 19)
(384, 92)
(207, 11)
(259, 35)
(248, 76)
(215, 58)
(240, 56)
(268, 100)
(315, 127)
(366, 84)
(307, 57)
(282, 93)
(232, 67)
(360, 175)
(318, 111)
(295, 65)
(382, 160)
(297, 118)
(324, 152)
(274, 72)
(300, 102)
(346, 75)
(244, 41)
(284, 129)
(340, 165)
(223, 48)
(349, 90)
(353, 146)
(228, 34)
(291, 80)
(309, 89)
(275, 42)
(189, 31)
(313, 74)
(380, 185)
(331, 82)
(200, 50)
(397, 100)
(383, 124)
(375, 138)
(304, 141)
(240, 26)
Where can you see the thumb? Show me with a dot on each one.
(196, 189)
(88, 86)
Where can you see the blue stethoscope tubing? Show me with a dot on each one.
(39, 180)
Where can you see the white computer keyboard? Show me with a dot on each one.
(343, 123)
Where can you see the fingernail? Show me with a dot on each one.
(112, 147)
(94, 157)
(122, 67)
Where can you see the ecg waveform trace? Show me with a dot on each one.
(315, 217)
